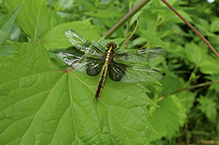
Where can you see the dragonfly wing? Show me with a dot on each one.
(77, 40)
(138, 56)
(91, 66)
(141, 74)
(69, 58)
(82, 44)
(94, 66)
(152, 53)
(117, 71)
(132, 74)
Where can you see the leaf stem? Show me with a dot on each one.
(186, 125)
(193, 72)
(128, 23)
(196, 31)
(190, 87)
(131, 34)
(126, 17)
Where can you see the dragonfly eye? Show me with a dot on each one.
(111, 44)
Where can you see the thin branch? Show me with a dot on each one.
(192, 87)
(188, 88)
(199, 34)
(126, 17)
(186, 125)
(128, 23)
(131, 34)
(210, 142)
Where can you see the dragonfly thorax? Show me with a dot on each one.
(111, 44)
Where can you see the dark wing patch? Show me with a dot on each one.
(94, 66)
(91, 66)
(117, 71)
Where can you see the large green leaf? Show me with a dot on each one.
(7, 22)
(167, 119)
(55, 38)
(214, 86)
(34, 17)
(41, 104)
(214, 25)
(209, 66)
(104, 13)
(194, 53)
(151, 37)
(198, 55)
(209, 107)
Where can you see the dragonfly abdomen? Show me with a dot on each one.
(101, 81)
(107, 60)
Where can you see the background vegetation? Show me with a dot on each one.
(41, 104)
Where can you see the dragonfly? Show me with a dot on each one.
(122, 66)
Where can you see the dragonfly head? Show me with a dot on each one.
(111, 44)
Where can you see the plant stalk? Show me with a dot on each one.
(191, 87)
(126, 17)
(196, 31)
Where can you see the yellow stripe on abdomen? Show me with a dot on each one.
(103, 75)
(101, 81)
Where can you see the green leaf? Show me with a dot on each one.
(34, 17)
(7, 22)
(66, 3)
(3, 34)
(176, 84)
(152, 38)
(194, 53)
(89, 4)
(5, 50)
(104, 13)
(40, 104)
(214, 25)
(209, 66)
(187, 100)
(214, 86)
(55, 38)
(167, 119)
(208, 107)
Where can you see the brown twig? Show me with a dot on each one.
(131, 34)
(210, 142)
(128, 23)
(186, 125)
(189, 88)
(199, 34)
(195, 86)
(126, 17)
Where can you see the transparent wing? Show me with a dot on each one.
(69, 58)
(132, 74)
(141, 74)
(91, 66)
(82, 44)
(140, 56)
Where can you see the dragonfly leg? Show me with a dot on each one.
(98, 48)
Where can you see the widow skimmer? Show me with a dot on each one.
(120, 66)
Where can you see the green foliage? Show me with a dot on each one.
(208, 107)
(34, 17)
(58, 107)
(167, 119)
(7, 23)
(43, 102)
